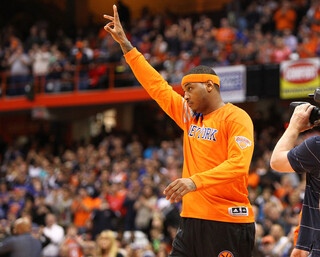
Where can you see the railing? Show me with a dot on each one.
(262, 81)
(97, 76)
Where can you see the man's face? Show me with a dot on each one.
(83, 193)
(50, 220)
(195, 94)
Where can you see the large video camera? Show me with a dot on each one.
(315, 113)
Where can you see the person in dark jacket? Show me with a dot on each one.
(21, 244)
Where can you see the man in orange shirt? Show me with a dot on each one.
(225, 34)
(72, 244)
(285, 17)
(217, 218)
(82, 207)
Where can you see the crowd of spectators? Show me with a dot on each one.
(105, 195)
(257, 32)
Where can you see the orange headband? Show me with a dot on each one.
(200, 78)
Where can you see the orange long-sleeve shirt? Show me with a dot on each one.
(285, 20)
(217, 150)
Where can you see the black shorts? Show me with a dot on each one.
(309, 231)
(206, 238)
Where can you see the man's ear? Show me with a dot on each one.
(209, 85)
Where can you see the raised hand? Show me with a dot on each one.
(300, 117)
(114, 27)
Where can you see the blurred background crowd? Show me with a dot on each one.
(246, 32)
(104, 197)
(74, 195)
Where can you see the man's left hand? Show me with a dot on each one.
(178, 188)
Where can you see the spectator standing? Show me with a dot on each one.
(290, 40)
(16, 202)
(267, 245)
(225, 34)
(281, 52)
(281, 240)
(107, 245)
(33, 38)
(266, 20)
(21, 244)
(285, 17)
(115, 197)
(313, 16)
(62, 206)
(252, 16)
(40, 210)
(55, 234)
(103, 219)
(81, 60)
(307, 48)
(145, 206)
(19, 70)
(40, 56)
(129, 202)
(82, 207)
(72, 244)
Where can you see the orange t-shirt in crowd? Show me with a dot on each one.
(285, 20)
(217, 150)
(316, 17)
(309, 48)
(225, 35)
(253, 180)
(74, 249)
(80, 214)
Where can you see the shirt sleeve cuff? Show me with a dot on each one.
(131, 54)
(197, 181)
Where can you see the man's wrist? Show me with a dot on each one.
(193, 185)
(126, 46)
(293, 129)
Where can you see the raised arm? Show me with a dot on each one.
(159, 89)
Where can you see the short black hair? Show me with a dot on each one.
(201, 69)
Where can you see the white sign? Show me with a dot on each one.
(232, 83)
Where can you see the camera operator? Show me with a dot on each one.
(303, 158)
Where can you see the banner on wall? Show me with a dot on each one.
(299, 78)
(232, 83)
